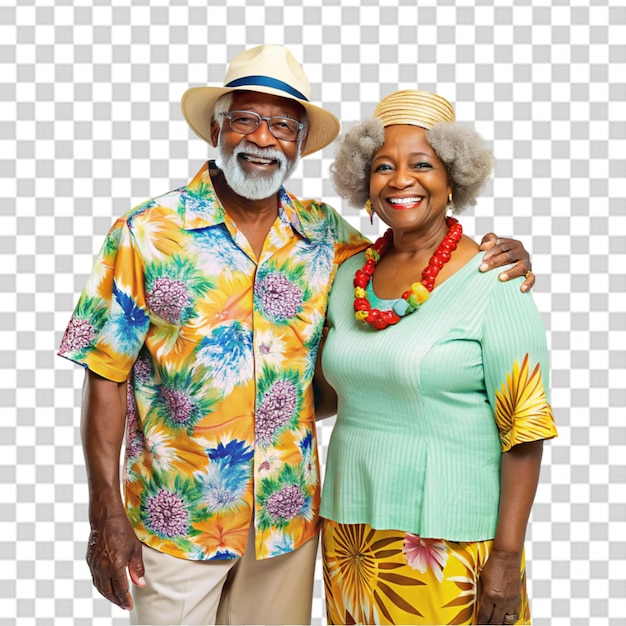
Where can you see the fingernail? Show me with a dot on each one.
(141, 581)
(504, 277)
(483, 267)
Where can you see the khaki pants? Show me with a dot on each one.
(245, 591)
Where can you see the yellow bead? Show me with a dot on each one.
(372, 255)
(361, 315)
(420, 292)
(359, 293)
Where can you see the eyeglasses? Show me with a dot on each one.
(245, 122)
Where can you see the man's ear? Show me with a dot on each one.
(215, 132)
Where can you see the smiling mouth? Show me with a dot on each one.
(257, 159)
(407, 201)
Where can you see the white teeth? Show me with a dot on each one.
(412, 200)
(260, 160)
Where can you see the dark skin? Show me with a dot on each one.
(499, 585)
(113, 546)
(254, 217)
(114, 552)
(409, 187)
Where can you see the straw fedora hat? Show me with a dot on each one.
(270, 69)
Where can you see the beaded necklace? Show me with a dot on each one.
(418, 292)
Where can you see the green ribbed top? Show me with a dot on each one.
(416, 446)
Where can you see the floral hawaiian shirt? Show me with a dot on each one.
(219, 350)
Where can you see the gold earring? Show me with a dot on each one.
(370, 211)
(451, 205)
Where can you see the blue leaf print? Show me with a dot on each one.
(234, 452)
(306, 444)
(127, 324)
(224, 484)
(227, 354)
(217, 245)
(133, 314)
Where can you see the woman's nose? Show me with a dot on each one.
(401, 178)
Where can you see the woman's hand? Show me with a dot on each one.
(501, 251)
(500, 582)
(500, 589)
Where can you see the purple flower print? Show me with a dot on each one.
(166, 515)
(134, 436)
(285, 503)
(142, 370)
(179, 405)
(280, 298)
(168, 298)
(78, 335)
(277, 408)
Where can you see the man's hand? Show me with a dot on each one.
(500, 251)
(112, 549)
(499, 589)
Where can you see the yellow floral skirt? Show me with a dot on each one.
(393, 577)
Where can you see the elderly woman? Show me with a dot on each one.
(441, 375)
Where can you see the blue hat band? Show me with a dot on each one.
(266, 81)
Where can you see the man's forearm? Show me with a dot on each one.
(103, 422)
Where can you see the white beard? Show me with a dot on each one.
(254, 187)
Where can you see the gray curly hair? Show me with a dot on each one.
(468, 162)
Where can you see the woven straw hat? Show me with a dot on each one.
(414, 107)
(270, 69)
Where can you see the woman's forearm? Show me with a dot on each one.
(519, 476)
(500, 585)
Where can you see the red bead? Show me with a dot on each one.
(361, 280)
(390, 316)
(381, 319)
(361, 304)
(374, 316)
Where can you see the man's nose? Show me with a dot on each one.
(262, 136)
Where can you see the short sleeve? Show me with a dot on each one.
(516, 363)
(348, 240)
(110, 321)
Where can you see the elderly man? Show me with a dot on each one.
(199, 329)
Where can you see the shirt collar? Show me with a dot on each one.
(202, 207)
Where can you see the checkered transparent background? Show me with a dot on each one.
(90, 125)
